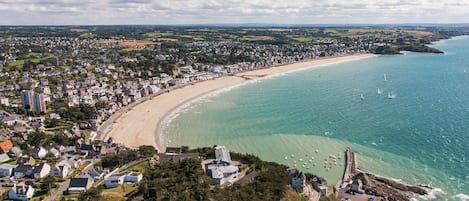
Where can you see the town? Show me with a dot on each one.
(60, 86)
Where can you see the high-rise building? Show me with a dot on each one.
(27, 99)
(32, 101)
(39, 103)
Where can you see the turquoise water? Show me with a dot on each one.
(420, 137)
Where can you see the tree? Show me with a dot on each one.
(146, 151)
(47, 184)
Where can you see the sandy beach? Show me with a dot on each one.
(140, 124)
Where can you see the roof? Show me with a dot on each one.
(5, 146)
(167, 157)
(22, 167)
(39, 168)
(36, 150)
(4, 157)
(78, 182)
(7, 166)
(248, 178)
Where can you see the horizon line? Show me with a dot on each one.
(247, 24)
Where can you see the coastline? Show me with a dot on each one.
(141, 122)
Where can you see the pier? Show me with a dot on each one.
(350, 165)
(350, 168)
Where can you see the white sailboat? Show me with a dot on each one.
(391, 95)
(385, 78)
(380, 91)
(362, 97)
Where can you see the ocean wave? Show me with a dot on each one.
(433, 194)
(462, 197)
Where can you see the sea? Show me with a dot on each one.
(307, 118)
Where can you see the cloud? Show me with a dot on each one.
(231, 11)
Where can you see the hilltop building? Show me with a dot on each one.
(297, 180)
(221, 170)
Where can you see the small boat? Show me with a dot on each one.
(380, 91)
(286, 157)
(317, 151)
(362, 97)
(391, 96)
(385, 78)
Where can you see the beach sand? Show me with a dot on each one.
(140, 124)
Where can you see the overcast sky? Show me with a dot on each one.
(82, 12)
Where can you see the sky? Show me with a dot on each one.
(110, 12)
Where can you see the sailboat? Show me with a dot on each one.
(391, 96)
(380, 91)
(362, 97)
(385, 78)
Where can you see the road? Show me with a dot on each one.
(62, 187)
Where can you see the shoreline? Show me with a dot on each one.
(140, 123)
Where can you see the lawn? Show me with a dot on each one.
(256, 38)
(118, 193)
(138, 167)
(301, 39)
(158, 34)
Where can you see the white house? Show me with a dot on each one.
(221, 170)
(222, 155)
(4, 157)
(117, 179)
(56, 153)
(21, 192)
(6, 170)
(61, 169)
(38, 152)
(221, 174)
(41, 170)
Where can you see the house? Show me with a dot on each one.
(38, 152)
(117, 179)
(23, 170)
(6, 170)
(80, 184)
(21, 192)
(186, 69)
(62, 169)
(221, 174)
(172, 157)
(221, 170)
(41, 170)
(297, 179)
(222, 155)
(97, 173)
(54, 152)
(322, 185)
(15, 152)
(4, 158)
(89, 149)
(25, 160)
(356, 186)
(175, 150)
(5, 146)
(19, 127)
